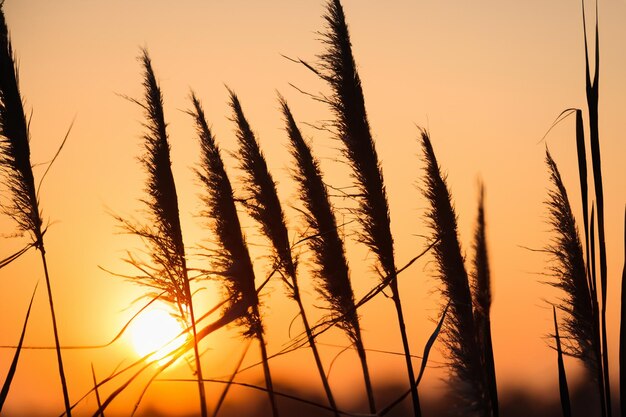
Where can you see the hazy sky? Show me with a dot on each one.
(487, 79)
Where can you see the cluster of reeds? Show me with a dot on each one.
(466, 286)
(231, 260)
(167, 274)
(467, 331)
(338, 68)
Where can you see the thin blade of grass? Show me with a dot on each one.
(584, 190)
(429, 344)
(6, 261)
(622, 334)
(13, 368)
(277, 393)
(231, 379)
(54, 158)
(95, 387)
(563, 389)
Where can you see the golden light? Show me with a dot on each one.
(156, 331)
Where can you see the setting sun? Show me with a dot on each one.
(156, 331)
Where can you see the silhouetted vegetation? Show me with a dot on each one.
(464, 327)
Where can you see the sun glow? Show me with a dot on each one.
(157, 332)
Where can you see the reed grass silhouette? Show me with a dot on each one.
(167, 274)
(16, 171)
(481, 290)
(586, 296)
(231, 260)
(338, 69)
(569, 271)
(332, 275)
(471, 382)
(263, 205)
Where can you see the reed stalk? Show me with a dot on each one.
(470, 383)
(168, 272)
(13, 368)
(231, 260)
(481, 288)
(568, 269)
(347, 102)
(332, 274)
(263, 204)
(17, 174)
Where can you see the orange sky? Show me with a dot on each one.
(486, 79)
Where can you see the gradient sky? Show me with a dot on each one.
(487, 79)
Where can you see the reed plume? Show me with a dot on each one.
(460, 332)
(231, 260)
(17, 174)
(168, 272)
(568, 269)
(347, 102)
(481, 289)
(263, 205)
(261, 200)
(332, 275)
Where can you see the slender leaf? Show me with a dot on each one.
(9, 379)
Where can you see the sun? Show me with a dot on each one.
(156, 331)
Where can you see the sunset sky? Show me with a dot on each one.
(486, 78)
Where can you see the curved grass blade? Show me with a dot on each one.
(16, 356)
(224, 393)
(95, 387)
(563, 389)
(429, 344)
(6, 261)
(622, 334)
